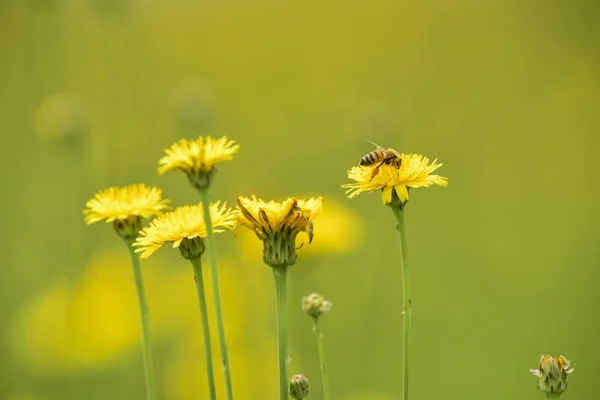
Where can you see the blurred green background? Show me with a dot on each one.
(505, 260)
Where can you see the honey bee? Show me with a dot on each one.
(382, 156)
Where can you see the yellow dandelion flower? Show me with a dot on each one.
(278, 224)
(198, 158)
(414, 171)
(185, 227)
(121, 203)
(125, 206)
(341, 231)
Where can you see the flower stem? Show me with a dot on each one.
(214, 274)
(321, 347)
(197, 265)
(406, 297)
(281, 304)
(144, 314)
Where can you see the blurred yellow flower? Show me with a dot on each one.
(340, 231)
(93, 321)
(185, 222)
(124, 203)
(90, 322)
(278, 225)
(200, 155)
(253, 371)
(414, 172)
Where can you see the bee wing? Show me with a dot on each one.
(378, 146)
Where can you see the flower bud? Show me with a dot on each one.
(299, 387)
(552, 375)
(314, 305)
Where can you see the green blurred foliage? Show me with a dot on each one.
(505, 261)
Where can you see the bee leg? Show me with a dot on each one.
(376, 169)
(375, 172)
(381, 163)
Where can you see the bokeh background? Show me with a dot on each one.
(505, 261)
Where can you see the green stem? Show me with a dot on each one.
(406, 297)
(321, 347)
(214, 274)
(280, 289)
(144, 314)
(197, 265)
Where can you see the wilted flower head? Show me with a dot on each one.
(299, 387)
(278, 224)
(125, 206)
(185, 228)
(414, 171)
(552, 375)
(198, 158)
(314, 305)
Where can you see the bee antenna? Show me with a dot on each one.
(375, 144)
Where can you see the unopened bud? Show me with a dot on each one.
(552, 375)
(299, 387)
(314, 305)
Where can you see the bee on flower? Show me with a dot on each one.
(394, 174)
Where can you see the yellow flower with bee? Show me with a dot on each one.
(394, 175)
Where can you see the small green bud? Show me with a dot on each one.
(552, 375)
(299, 387)
(314, 305)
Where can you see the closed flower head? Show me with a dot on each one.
(315, 305)
(413, 171)
(552, 375)
(125, 207)
(278, 224)
(299, 387)
(185, 228)
(198, 158)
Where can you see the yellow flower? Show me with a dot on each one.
(198, 158)
(278, 224)
(122, 203)
(340, 231)
(414, 172)
(124, 207)
(184, 225)
(92, 321)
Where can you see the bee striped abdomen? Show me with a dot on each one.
(372, 157)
